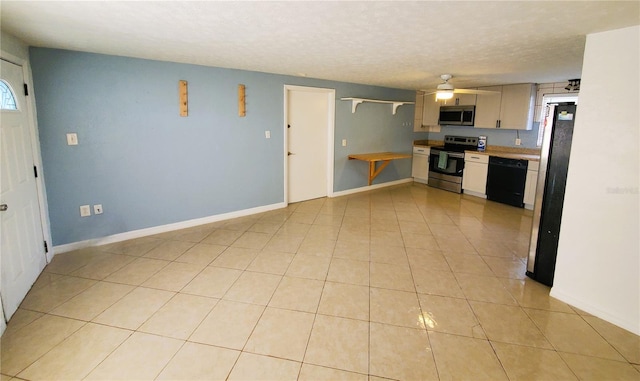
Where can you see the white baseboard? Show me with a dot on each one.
(201, 221)
(475, 194)
(371, 187)
(421, 181)
(163, 228)
(631, 326)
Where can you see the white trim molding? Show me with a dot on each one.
(371, 187)
(163, 228)
(331, 125)
(586, 306)
(35, 135)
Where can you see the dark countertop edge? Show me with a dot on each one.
(496, 152)
(508, 155)
(508, 152)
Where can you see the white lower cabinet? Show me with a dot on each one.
(530, 184)
(474, 177)
(420, 167)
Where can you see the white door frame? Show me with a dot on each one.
(35, 145)
(331, 100)
(552, 98)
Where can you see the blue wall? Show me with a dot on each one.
(148, 166)
(495, 137)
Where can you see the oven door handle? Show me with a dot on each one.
(457, 155)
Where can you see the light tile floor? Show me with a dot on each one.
(407, 283)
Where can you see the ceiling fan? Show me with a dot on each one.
(446, 90)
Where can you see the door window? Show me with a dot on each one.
(8, 101)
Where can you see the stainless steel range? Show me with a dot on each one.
(447, 162)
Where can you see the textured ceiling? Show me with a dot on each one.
(393, 43)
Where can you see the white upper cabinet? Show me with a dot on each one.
(417, 119)
(512, 109)
(460, 100)
(517, 106)
(430, 112)
(488, 108)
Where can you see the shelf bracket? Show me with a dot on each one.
(354, 104)
(394, 104)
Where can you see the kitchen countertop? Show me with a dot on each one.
(427, 143)
(532, 154)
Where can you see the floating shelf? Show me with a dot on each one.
(356, 101)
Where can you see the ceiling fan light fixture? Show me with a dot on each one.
(444, 94)
(444, 90)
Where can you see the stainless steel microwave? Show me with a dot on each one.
(457, 115)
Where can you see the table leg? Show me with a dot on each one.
(373, 172)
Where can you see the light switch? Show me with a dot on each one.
(72, 139)
(344, 142)
(97, 209)
(267, 134)
(85, 210)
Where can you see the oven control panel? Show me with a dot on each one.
(470, 141)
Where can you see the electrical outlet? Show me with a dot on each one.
(344, 142)
(518, 142)
(267, 134)
(97, 209)
(72, 139)
(85, 210)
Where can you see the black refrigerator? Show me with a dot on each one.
(552, 179)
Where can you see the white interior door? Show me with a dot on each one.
(22, 255)
(309, 118)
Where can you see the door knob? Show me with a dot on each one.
(289, 153)
(4, 207)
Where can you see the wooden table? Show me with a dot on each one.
(373, 158)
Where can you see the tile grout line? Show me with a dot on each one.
(604, 338)
(212, 309)
(263, 311)
(369, 293)
(433, 357)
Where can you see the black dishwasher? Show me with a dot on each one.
(506, 179)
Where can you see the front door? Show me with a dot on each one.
(308, 124)
(22, 255)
